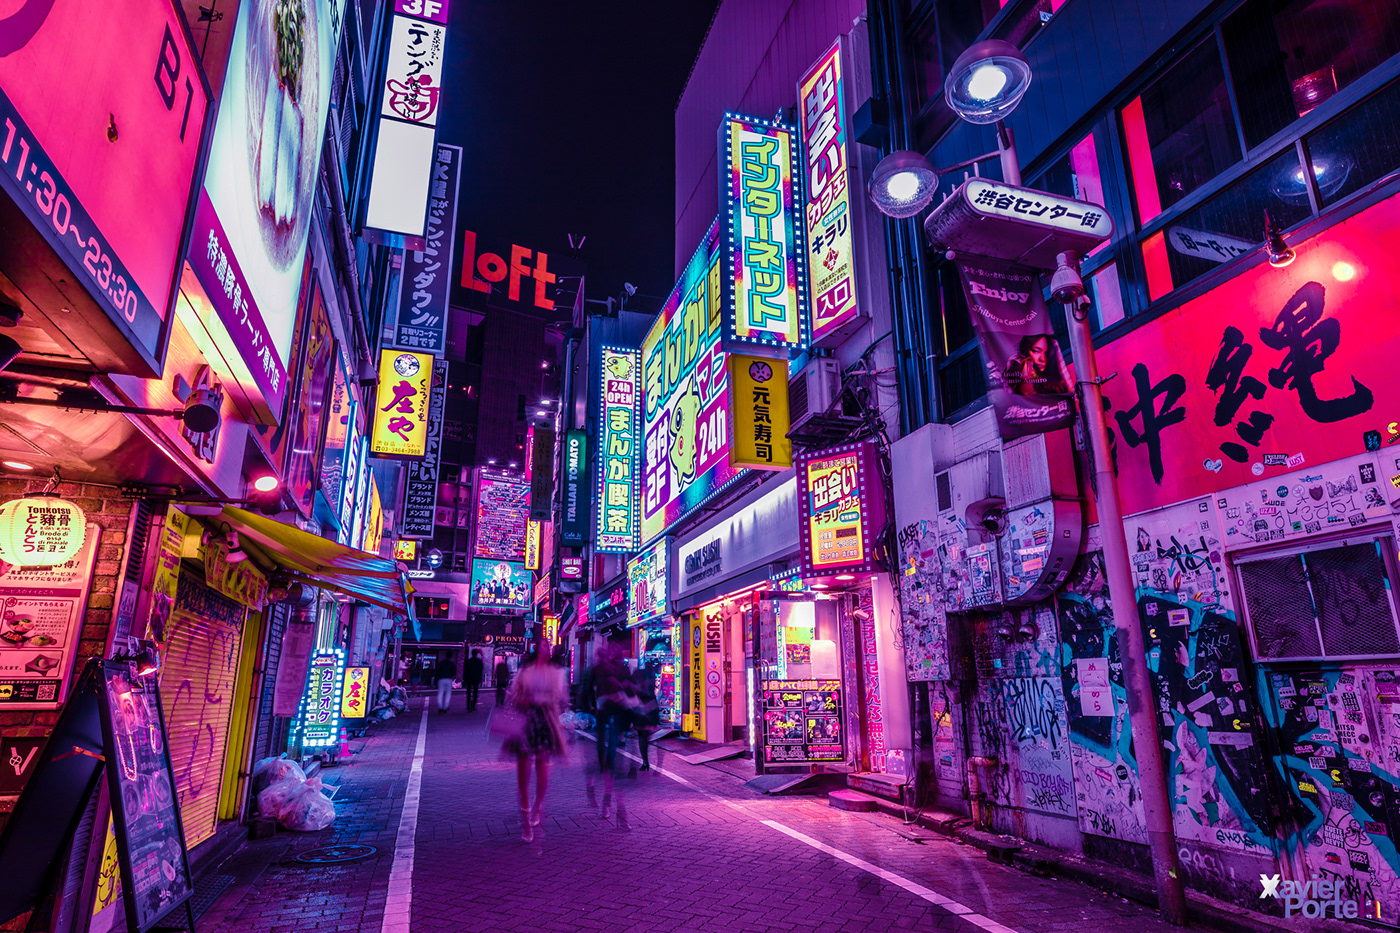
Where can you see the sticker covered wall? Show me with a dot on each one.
(686, 396)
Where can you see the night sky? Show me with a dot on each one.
(565, 112)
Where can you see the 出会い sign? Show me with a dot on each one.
(840, 509)
(759, 389)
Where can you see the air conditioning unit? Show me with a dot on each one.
(814, 404)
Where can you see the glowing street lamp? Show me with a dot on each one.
(987, 82)
(902, 184)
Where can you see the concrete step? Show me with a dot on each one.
(853, 800)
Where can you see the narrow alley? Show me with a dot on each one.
(703, 853)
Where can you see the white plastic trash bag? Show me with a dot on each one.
(307, 809)
(274, 796)
(269, 771)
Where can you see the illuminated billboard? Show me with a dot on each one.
(766, 280)
(649, 584)
(759, 389)
(686, 396)
(254, 213)
(401, 404)
(410, 102)
(502, 517)
(500, 584)
(830, 245)
(840, 509)
(619, 481)
(102, 114)
(322, 704)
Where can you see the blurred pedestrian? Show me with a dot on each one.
(473, 672)
(502, 680)
(617, 700)
(647, 716)
(445, 673)
(539, 696)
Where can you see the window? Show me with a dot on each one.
(1288, 57)
(1360, 146)
(1180, 133)
(1329, 602)
(1229, 224)
(432, 607)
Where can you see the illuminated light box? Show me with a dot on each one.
(617, 529)
(841, 510)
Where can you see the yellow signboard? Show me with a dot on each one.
(354, 698)
(374, 521)
(532, 545)
(551, 629)
(697, 678)
(405, 550)
(401, 405)
(759, 393)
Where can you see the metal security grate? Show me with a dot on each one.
(1353, 603)
(1280, 607)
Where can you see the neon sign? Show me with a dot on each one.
(617, 530)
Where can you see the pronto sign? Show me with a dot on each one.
(686, 392)
(401, 408)
(766, 283)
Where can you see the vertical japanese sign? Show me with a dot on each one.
(502, 514)
(374, 517)
(760, 411)
(1026, 377)
(840, 509)
(401, 408)
(421, 482)
(532, 545)
(354, 697)
(321, 707)
(766, 283)
(339, 417)
(802, 722)
(404, 151)
(687, 396)
(426, 284)
(821, 97)
(696, 693)
(574, 528)
(539, 460)
(619, 452)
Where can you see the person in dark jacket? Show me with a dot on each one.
(647, 716)
(445, 673)
(502, 681)
(471, 678)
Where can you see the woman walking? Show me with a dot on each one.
(538, 695)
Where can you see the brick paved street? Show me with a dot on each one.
(706, 854)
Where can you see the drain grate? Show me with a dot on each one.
(334, 855)
(207, 891)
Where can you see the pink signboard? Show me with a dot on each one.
(1272, 370)
(101, 121)
(435, 10)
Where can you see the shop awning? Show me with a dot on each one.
(319, 562)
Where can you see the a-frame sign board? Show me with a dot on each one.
(112, 722)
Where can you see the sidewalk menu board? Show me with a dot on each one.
(802, 722)
(41, 613)
(155, 869)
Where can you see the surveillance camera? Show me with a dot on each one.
(1065, 284)
(994, 522)
(629, 288)
(860, 615)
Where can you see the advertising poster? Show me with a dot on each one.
(502, 518)
(760, 395)
(619, 401)
(321, 713)
(41, 616)
(1027, 381)
(426, 284)
(821, 101)
(802, 722)
(649, 584)
(254, 213)
(500, 584)
(765, 290)
(401, 405)
(421, 482)
(839, 496)
(58, 162)
(686, 396)
(697, 679)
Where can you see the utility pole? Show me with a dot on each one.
(1067, 287)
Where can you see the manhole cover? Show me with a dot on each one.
(330, 855)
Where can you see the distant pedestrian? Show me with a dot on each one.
(445, 673)
(647, 716)
(502, 681)
(472, 674)
(617, 700)
(539, 696)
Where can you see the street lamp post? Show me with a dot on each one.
(984, 85)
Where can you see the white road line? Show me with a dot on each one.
(918, 890)
(398, 902)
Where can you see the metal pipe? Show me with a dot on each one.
(974, 789)
(1006, 148)
(1142, 711)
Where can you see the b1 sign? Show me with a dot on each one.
(100, 152)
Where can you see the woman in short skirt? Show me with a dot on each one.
(540, 695)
